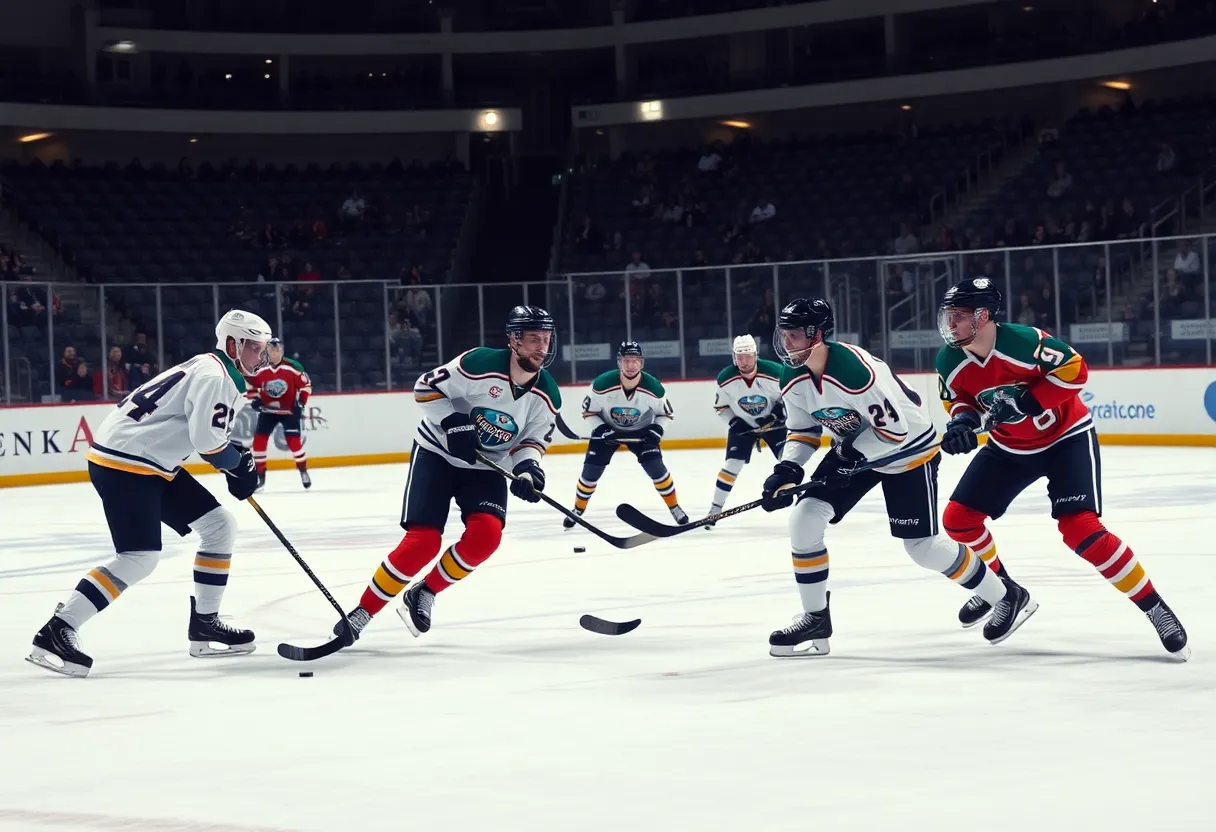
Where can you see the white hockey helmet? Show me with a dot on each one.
(250, 334)
(745, 345)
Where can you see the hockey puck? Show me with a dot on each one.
(304, 674)
(578, 550)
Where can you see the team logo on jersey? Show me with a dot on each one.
(986, 397)
(839, 420)
(495, 392)
(276, 388)
(625, 417)
(494, 428)
(753, 405)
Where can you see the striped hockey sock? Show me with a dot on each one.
(725, 482)
(666, 487)
(416, 550)
(1116, 562)
(582, 494)
(966, 526)
(482, 534)
(102, 586)
(811, 574)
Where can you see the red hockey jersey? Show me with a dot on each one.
(280, 387)
(1023, 357)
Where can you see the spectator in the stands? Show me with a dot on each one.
(1045, 303)
(1167, 157)
(763, 211)
(319, 228)
(588, 239)
(27, 304)
(637, 267)
(67, 364)
(1026, 313)
(308, 274)
(907, 242)
(270, 237)
(1173, 294)
(1128, 224)
(405, 340)
(354, 207)
(140, 374)
(1060, 182)
(658, 311)
(82, 388)
(1187, 260)
(710, 161)
(138, 351)
(115, 377)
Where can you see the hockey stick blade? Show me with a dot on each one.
(619, 542)
(654, 528)
(310, 654)
(608, 628)
(569, 433)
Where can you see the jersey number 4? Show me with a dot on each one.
(147, 395)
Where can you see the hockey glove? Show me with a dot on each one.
(785, 475)
(651, 435)
(461, 436)
(256, 404)
(531, 481)
(838, 467)
(298, 410)
(604, 432)
(959, 436)
(243, 476)
(739, 426)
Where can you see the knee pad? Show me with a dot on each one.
(216, 531)
(654, 467)
(1076, 529)
(963, 524)
(133, 567)
(934, 553)
(591, 473)
(482, 534)
(808, 521)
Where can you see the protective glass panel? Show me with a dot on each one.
(188, 315)
(132, 339)
(1087, 316)
(413, 332)
(655, 321)
(362, 336)
(600, 322)
(707, 330)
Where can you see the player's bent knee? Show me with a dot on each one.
(482, 534)
(1076, 528)
(808, 522)
(962, 522)
(216, 531)
(135, 566)
(934, 553)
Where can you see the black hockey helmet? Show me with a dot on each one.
(976, 294)
(813, 316)
(523, 319)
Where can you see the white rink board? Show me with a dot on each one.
(1155, 406)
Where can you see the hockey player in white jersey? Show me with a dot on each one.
(626, 403)
(870, 415)
(748, 399)
(500, 403)
(135, 467)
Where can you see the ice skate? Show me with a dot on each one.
(208, 631)
(358, 619)
(1009, 613)
(568, 523)
(57, 648)
(261, 480)
(712, 511)
(974, 612)
(678, 514)
(416, 609)
(806, 638)
(1169, 630)
(305, 480)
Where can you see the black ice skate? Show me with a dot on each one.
(1010, 613)
(358, 618)
(57, 648)
(416, 610)
(1169, 630)
(568, 523)
(806, 638)
(974, 612)
(261, 480)
(305, 480)
(678, 514)
(208, 631)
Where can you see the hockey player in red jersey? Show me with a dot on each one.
(1028, 383)
(279, 393)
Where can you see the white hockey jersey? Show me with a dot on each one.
(607, 403)
(748, 400)
(510, 421)
(857, 399)
(185, 410)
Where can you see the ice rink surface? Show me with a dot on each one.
(508, 716)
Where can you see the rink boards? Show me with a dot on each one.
(46, 444)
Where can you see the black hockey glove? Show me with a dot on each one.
(839, 466)
(1007, 408)
(739, 426)
(242, 477)
(256, 404)
(461, 436)
(297, 410)
(604, 432)
(784, 474)
(959, 436)
(652, 434)
(531, 482)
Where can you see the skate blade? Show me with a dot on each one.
(404, 614)
(1182, 655)
(47, 660)
(205, 650)
(977, 622)
(1030, 609)
(812, 649)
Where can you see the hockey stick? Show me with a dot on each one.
(619, 542)
(346, 636)
(569, 433)
(649, 526)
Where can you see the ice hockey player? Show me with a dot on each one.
(135, 467)
(748, 399)
(500, 403)
(626, 403)
(280, 391)
(1028, 384)
(870, 415)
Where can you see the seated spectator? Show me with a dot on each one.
(320, 231)
(907, 242)
(66, 371)
(1187, 260)
(405, 341)
(763, 212)
(1060, 182)
(138, 352)
(1128, 223)
(115, 377)
(637, 267)
(27, 304)
(353, 209)
(140, 374)
(308, 274)
(1026, 313)
(77, 384)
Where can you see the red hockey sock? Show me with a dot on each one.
(482, 534)
(1114, 559)
(297, 451)
(966, 526)
(259, 451)
(416, 550)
